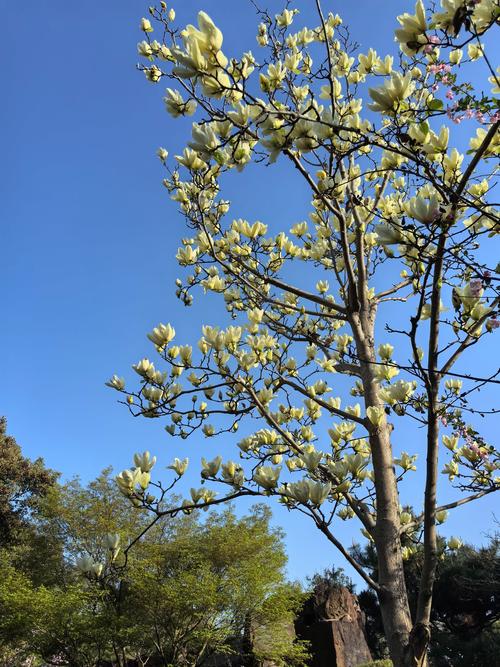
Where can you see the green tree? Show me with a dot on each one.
(182, 593)
(22, 484)
(466, 604)
(397, 219)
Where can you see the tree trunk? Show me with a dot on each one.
(393, 597)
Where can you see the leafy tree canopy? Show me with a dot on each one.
(188, 589)
(22, 484)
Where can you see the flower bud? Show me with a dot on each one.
(146, 25)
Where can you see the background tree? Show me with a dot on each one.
(184, 592)
(465, 610)
(398, 215)
(22, 484)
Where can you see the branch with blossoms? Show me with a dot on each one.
(398, 215)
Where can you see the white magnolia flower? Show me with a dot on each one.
(411, 35)
(266, 476)
(144, 461)
(162, 334)
(388, 234)
(387, 97)
(454, 543)
(210, 468)
(179, 466)
(423, 209)
(176, 106)
(375, 415)
(146, 25)
(116, 382)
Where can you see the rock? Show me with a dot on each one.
(333, 623)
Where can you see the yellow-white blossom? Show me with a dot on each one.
(153, 74)
(144, 461)
(162, 335)
(445, 20)
(411, 35)
(385, 351)
(454, 385)
(386, 371)
(342, 431)
(454, 543)
(191, 160)
(441, 516)
(493, 147)
(450, 442)
(387, 97)
(375, 415)
(451, 469)
(495, 82)
(179, 466)
(485, 13)
(116, 382)
(406, 461)
(176, 106)
(162, 154)
(474, 51)
(423, 209)
(285, 18)
(146, 25)
(210, 468)
(311, 459)
(267, 476)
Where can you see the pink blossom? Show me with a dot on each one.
(445, 80)
(449, 94)
(479, 116)
(493, 323)
(434, 87)
(476, 286)
(495, 117)
(469, 113)
(444, 421)
(433, 39)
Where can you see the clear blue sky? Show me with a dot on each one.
(89, 234)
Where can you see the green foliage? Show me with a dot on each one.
(22, 484)
(479, 651)
(273, 628)
(188, 588)
(377, 663)
(332, 577)
(466, 603)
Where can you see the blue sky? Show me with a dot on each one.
(89, 233)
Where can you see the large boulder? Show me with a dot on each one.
(333, 623)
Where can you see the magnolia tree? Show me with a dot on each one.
(397, 217)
